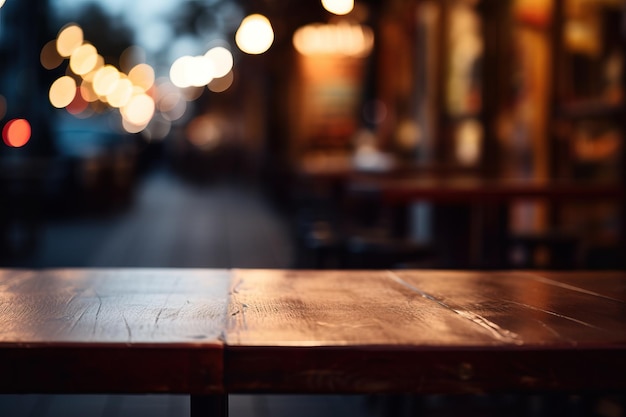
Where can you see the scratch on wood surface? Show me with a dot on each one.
(572, 287)
(130, 333)
(95, 322)
(497, 331)
(557, 334)
(237, 317)
(79, 318)
(554, 313)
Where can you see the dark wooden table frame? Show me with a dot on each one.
(208, 333)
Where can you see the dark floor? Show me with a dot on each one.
(172, 223)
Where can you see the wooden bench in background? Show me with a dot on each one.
(208, 333)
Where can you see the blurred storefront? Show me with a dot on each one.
(332, 105)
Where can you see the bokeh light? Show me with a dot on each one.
(178, 71)
(219, 85)
(139, 110)
(49, 56)
(68, 39)
(78, 104)
(84, 59)
(16, 133)
(339, 7)
(204, 132)
(200, 72)
(2, 3)
(121, 93)
(105, 79)
(222, 60)
(86, 91)
(342, 38)
(142, 75)
(255, 34)
(62, 92)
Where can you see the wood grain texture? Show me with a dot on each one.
(132, 330)
(420, 331)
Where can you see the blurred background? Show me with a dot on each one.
(308, 134)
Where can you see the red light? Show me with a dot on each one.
(16, 133)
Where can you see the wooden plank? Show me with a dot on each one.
(532, 310)
(339, 308)
(416, 331)
(112, 330)
(605, 284)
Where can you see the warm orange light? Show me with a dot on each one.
(78, 105)
(121, 93)
(142, 75)
(255, 34)
(339, 7)
(49, 56)
(334, 39)
(69, 38)
(16, 133)
(204, 132)
(139, 110)
(105, 79)
(84, 59)
(219, 85)
(86, 91)
(62, 92)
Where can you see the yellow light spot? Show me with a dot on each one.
(105, 79)
(84, 59)
(62, 92)
(222, 60)
(334, 39)
(139, 110)
(49, 56)
(121, 93)
(2, 3)
(142, 75)
(16, 133)
(87, 93)
(219, 85)
(339, 7)
(255, 34)
(68, 39)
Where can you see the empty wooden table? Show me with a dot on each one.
(209, 333)
(114, 331)
(425, 332)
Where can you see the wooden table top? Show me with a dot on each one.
(112, 330)
(425, 331)
(210, 331)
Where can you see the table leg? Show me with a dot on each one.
(209, 405)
